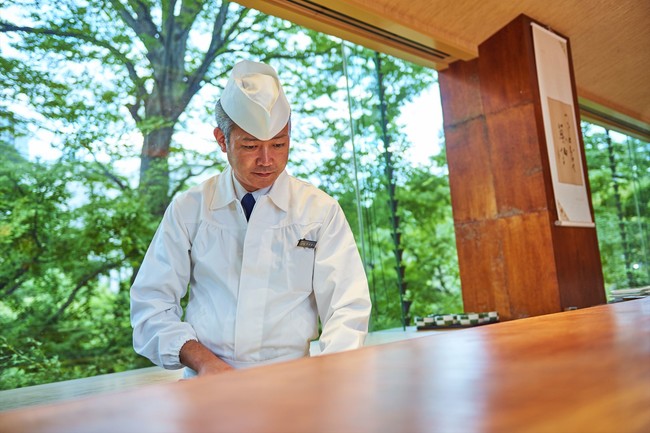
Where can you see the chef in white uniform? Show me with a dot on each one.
(258, 287)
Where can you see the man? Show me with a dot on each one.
(259, 279)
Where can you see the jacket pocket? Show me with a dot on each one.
(297, 262)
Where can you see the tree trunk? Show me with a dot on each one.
(619, 212)
(154, 169)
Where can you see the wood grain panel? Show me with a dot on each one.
(506, 265)
(521, 183)
(531, 278)
(460, 93)
(470, 173)
(579, 266)
(467, 144)
(507, 68)
(481, 267)
(578, 371)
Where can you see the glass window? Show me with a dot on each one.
(101, 152)
(619, 175)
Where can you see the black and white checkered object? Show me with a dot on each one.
(461, 320)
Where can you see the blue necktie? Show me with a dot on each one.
(247, 203)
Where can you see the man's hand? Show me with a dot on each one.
(200, 359)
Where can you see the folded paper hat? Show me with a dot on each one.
(253, 98)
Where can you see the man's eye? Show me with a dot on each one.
(278, 145)
(249, 147)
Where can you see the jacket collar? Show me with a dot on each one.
(279, 193)
(224, 193)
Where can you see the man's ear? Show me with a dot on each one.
(221, 138)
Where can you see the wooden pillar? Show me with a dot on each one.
(513, 258)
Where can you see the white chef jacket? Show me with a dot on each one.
(255, 295)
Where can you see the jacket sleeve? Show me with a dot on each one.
(161, 283)
(340, 287)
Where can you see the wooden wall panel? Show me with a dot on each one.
(512, 258)
(467, 144)
(507, 68)
(460, 93)
(579, 266)
(507, 265)
(481, 266)
(516, 161)
(530, 273)
(467, 151)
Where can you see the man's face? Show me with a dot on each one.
(256, 163)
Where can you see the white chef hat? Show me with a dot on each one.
(253, 98)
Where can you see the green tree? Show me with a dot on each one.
(105, 77)
(54, 310)
(153, 60)
(95, 72)
(619, 176)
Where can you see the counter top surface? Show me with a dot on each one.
(576, 371)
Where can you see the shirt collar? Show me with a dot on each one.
(279, 193)
(226, 190)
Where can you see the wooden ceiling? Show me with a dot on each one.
(610, 40)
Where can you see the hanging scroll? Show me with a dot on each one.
(562, 128)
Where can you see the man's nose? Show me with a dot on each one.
(265, 157)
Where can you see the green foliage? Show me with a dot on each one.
(26, 364)
(619, 176)
(59, 318)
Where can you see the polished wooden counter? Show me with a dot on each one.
(586, 370)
